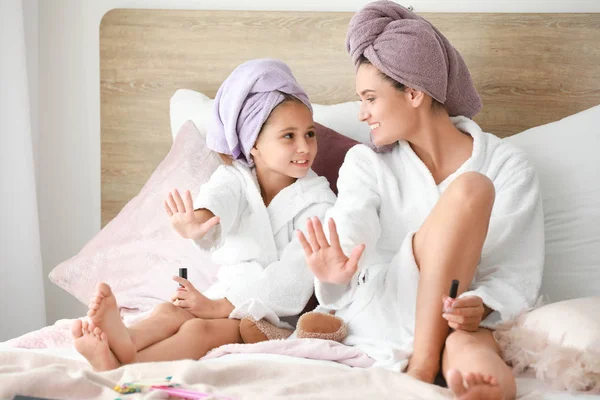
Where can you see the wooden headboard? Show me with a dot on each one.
(530, 69)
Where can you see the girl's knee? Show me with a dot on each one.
(473, 190)
(170, 314)
(196, 326)
(165, 309)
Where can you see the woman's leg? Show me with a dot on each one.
(474, 369)
(446, 247)
(194, 339)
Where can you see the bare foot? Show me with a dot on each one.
(103, 313)
(473, 386)
(93, 345)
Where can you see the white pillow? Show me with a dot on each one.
(565, 155)
(191, 105)
(343, 118)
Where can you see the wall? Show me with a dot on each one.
(32, 30)
(69, 108)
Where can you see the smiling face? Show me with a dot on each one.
(286, 145)
(391, 113)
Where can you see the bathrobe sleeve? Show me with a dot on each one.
(509, 276)
(356, 214)
(283, 287)
(223, 195)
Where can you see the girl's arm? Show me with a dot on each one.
(221, 196)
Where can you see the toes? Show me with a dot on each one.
(103, 289)
(490, 380)
(477, 379)
(472, 379)
(76, 329)
(84, 327)
(97, 331)
(95, 302)
(103, 336)
(455, 382)
(468, 378)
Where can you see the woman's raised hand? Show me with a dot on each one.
(327, 260)
(188, 223)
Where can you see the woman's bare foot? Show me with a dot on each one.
(473, 386)
(103, 313)
(93, 345)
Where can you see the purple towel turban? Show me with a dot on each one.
(244, 102)
(410, 50)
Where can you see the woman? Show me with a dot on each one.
(440, 200)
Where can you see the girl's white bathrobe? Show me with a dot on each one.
(383, 199)
(263, 268)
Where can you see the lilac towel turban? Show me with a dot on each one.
(410, 50)
(244, 102)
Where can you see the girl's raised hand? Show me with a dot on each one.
(327, 261)
(188, 223)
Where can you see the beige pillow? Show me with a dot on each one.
(559, 341)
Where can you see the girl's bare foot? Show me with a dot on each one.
(93, 345)
(103, 313)
(473, 386)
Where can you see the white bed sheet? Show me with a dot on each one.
(529, 387)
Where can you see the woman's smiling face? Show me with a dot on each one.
(388, 111)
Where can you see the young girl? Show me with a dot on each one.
(246, 215)
(444, 201)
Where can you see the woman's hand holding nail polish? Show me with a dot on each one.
(464, 313)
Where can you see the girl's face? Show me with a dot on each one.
(390, 113)
(287, 144)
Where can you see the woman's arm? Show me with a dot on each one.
(356, 215)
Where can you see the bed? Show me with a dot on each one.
(530, 69)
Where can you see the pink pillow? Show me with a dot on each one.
(333, 147)
(138, 252)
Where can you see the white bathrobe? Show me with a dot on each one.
(383, 199)
(263, 268)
